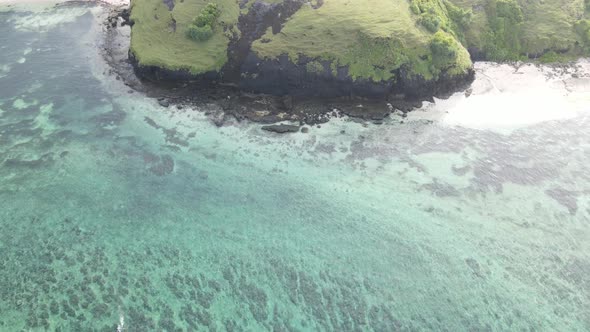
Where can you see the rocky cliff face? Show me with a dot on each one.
(415, 48)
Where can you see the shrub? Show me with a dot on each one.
(416, 10)
(444, 49)
(200, 33)
(422, 5)
(204, 19)
(441, 15)
(503, 41)
(551, 57)
(583, 30)
(208, 15)
(509, 10)
(202, 27)
(461, 17)
(430, 21)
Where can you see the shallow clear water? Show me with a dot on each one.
(117, 212)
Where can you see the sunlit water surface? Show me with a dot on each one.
(473, 214)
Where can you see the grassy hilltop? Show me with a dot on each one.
(371, 38)
(374, 40)
(159, 35)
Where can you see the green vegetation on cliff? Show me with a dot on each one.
(583, 30)
(503, 30)
(371, 40)
(443, 15)
(205, 23)
(504, 36)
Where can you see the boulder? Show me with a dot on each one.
(281, 128)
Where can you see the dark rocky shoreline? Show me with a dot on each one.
(244, 100)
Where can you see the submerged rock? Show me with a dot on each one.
(281, 128)
(164, 103)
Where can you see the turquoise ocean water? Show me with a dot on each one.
(116, 213)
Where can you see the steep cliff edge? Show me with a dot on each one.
(414, 48)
